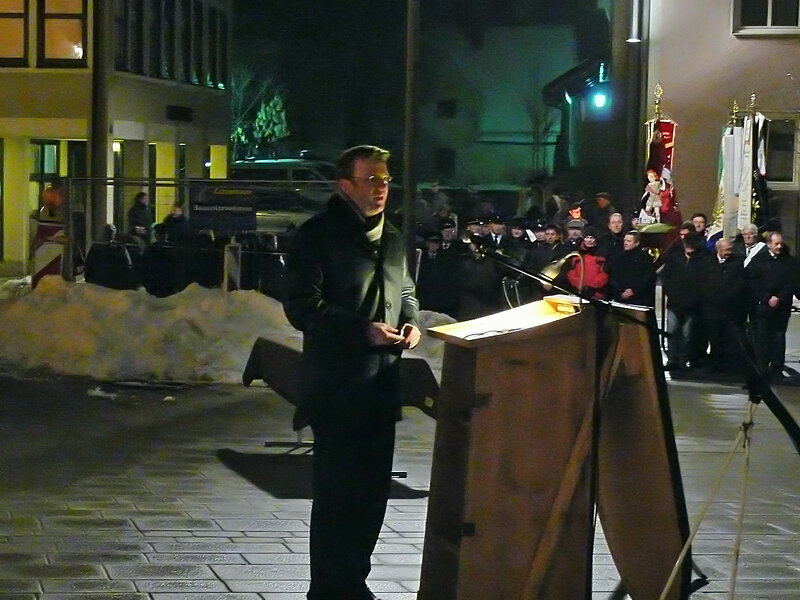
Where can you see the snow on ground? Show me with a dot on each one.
(111, 335)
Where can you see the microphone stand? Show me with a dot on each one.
(604, 306)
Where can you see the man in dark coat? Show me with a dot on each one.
(436, 276)
(632, 276)
(724, 299)
(351, 294)
(771, 279)
(682, 279)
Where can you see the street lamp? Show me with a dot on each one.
(635, 36)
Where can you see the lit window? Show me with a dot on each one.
(62, 33)
(13, 27)
(766, 17)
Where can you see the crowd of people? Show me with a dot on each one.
(721, 295)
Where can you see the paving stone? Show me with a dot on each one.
(262, 525)
(149, 571)
(19, 586)
(77, 571)
(206, 596)
(198, 558)
(261, 572)
(180, 585)
(87, 585)
(94, 596)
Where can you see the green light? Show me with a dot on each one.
(600, 99)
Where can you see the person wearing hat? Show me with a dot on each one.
(496, 236)
(436, 276)
(451, 245)
(574, 234)
(586, 274)
(519, 244)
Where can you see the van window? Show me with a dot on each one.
(261, 173)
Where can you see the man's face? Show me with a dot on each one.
(550, 236)
(448, 234)
(574, 233)
(517, 232)
(775, 243)
(540, 235)
(368, 186)
(629, 242)
(497, 228)
(749, 237)
(589, 241)
(725, 249)
(683, 233)
(615, 224)
(699, 223)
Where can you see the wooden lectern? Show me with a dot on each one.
(519, 438)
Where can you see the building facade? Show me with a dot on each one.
(151, 75)
(706, 55)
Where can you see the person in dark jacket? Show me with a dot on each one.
(682, 278)
(140, 219)
(436, 276)
(351, 294)
(771, 278)
(724, 301)
(632, 276)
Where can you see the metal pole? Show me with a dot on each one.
(102, 55)
(409, 181)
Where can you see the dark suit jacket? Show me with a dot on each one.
(339, 282)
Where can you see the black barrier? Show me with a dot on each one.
(164, 269)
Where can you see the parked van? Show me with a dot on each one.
(314, 179)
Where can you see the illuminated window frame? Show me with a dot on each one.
(43, 19)
(19, 61)
(767, 29)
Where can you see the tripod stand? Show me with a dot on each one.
(759, 389)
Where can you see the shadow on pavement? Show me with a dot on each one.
(289, 475)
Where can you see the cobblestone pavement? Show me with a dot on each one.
(134, 497)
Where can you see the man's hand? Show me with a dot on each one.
(773, 301)
(381, 334)
(627, 294)
(410, 335)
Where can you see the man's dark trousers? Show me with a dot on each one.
(352, 479)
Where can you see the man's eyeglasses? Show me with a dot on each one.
(375, 180)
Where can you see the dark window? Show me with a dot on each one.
(44, 163)
(784, 13)
(754, 13)
(13, 33)
(213, 47)
(444, 160)
(154, 34)
(136, 31)
(767, 14)
(121, 35)
(198, 75)
(62, 33)
(222, 80)
(446, 109)
(168, 57)
(781, 149)
(185, 31)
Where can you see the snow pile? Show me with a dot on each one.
(15, 288)
(196, 335)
